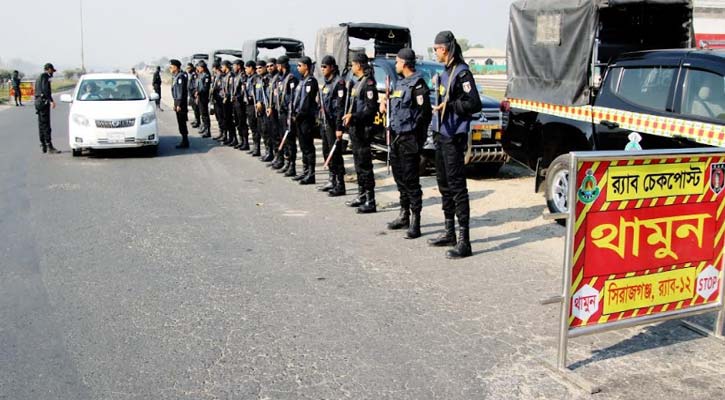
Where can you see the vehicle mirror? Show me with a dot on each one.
(66, 98)
(153, 96)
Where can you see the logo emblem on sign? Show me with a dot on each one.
(585, 302)
(717, 177)
(589, 189)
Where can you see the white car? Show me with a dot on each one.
(111, 111)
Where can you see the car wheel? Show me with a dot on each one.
(76, 152)
(557, 186)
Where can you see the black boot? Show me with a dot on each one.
(245, 145)
(44, 147)
(403, 220)
(463, 247)
(339, 189)
(357, 201)
(414, 227)
(447, 238)
(268, 157)
(195, 124)
(279, 162)
(305, 170)
(369, 206)
(206, 132)
(51, 149)
(184, 143)
(329, 185)
(292, 170)
(309, 179)
(284, 168)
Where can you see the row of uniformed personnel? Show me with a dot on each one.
(280, 111)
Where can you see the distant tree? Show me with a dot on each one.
(464, 43)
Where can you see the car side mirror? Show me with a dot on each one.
(66, 98)
(153, 96)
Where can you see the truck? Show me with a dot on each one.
(484, 147)
(605, 75)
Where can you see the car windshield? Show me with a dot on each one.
(428, 71)
(110, 90)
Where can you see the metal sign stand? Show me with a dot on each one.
(560, 369)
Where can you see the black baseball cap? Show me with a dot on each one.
(48, 66)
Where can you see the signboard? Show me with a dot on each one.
(645, 237)
(27, 91)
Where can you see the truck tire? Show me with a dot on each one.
(557, 186)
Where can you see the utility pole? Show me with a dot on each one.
(83, 60)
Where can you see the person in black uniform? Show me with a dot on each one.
(285, 96)
(305, 114)
(410, 116)
(230, 138)
(156, 83)
(360, 119)
(460, 101)
(238, 106)
(217, 88)
(191, 73)
(263, 120)
(272, 112)
(180, 94)
(333, 94)
(252, 113)
(203, 88)
(15, 80)
(43, 103)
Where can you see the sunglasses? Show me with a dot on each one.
(324, 66)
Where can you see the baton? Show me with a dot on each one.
(387, 119)
(332, 151)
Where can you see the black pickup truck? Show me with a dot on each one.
(586, 75)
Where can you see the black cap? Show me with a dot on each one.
(48, 66)
(239, 62)
(329, 60)
(272, 61)
(407, 55)
(261, 63)
(190, 65)
(306, 60)
(216, 65)
(250, 64)
(201, 63)
(444, 37)
(360, 58)
(175, 62)
(227, 64)
(283, 60)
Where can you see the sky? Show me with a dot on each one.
(121, 33)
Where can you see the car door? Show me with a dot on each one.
(700, 92)
(633, 98)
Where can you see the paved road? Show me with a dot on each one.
(202, 275)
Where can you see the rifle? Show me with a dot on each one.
(254, 97)
(322, 109)
(289, 121)
(436, 81)
(387, 119)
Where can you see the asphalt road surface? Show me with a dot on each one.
(201, 274)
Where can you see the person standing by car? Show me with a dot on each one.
(43, 103)
(156, 83)
(305, 111)
(179, 92)
(203, 88)
(460, 101)
(360, 119)
(15, 81)
(191, 73)
(333, 94)
(410, 115)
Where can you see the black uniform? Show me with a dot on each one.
(218, 99)
(286, 89)
(333, 94)
(306, 110)
(156, 83)
(240, 112)
(193, 77)
(410, 116)
(252, 113)
(43, 99)
(230, 128)
(203, 88)
(264, 122)
(180, 94)
(364, 101)
(275, 133)
(16, 90)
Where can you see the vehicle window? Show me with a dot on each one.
(380, 76)
(703, 94)
(110, 90)
(647, 87)
(613, 79)
(428, 71)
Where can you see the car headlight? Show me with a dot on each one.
(80, 120)
(148, 118)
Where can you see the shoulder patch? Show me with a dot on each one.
(467, 87)
(419, 99)
(370, 94)
(340, 93)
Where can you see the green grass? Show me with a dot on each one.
(58, 85)
(496, 94)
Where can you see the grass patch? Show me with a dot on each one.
(496, 94)
(58, 85)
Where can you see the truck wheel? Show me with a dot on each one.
(77, 152)
(557, 186)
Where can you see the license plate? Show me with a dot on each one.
(116, 138)
(478, 135)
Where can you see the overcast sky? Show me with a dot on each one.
(121, 33)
